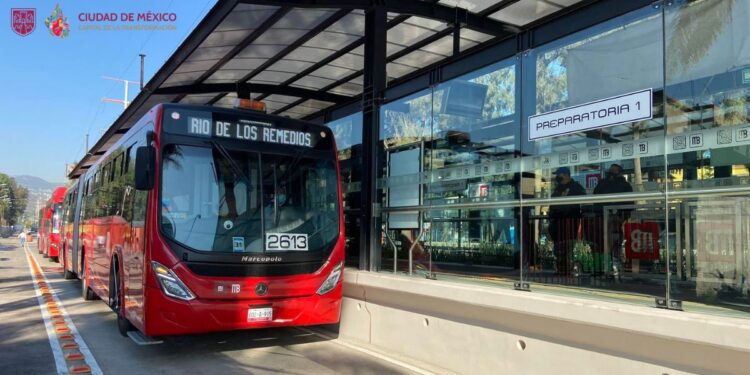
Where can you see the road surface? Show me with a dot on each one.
(40, 315)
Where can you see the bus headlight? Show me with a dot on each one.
(170, 284)
(332, 279)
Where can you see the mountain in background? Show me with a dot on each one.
(40, 190)
(36, 183)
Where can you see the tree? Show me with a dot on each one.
(13, 199)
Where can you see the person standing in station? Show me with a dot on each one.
(613, 183)
(564, 219)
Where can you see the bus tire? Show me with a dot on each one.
(67, 275)
(86, 292)
(116, 299)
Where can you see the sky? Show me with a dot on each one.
(52, 88)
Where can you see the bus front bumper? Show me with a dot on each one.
(168, 316)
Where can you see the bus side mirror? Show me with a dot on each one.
(145, 166)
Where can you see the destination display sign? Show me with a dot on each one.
(227, 126)
(248, 130)
(635, 106)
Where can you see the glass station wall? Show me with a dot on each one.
(444, 152)
(348, 134)
(708, 151)
(589, 189)
(654, 205)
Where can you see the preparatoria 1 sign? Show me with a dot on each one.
(634, 106)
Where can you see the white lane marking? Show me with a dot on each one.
(53, 341)
(368, 352)
(60, 365)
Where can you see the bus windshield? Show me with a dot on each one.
(224, 200)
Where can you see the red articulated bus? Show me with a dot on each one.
(69, 226)
(205, 219)
(50, 225)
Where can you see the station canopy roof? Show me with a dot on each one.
(303, 56)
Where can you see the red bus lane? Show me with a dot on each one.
(69, 350)
(46, 328)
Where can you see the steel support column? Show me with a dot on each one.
(372, 97)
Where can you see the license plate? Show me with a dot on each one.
(264, 314)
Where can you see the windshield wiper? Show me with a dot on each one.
(233, 164)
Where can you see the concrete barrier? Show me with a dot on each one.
(450, 327)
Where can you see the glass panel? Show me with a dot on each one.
(226, 38)
(525, 11)
(415, 60)
(475, 6)
(588, 184)
(348, 134)
(209, 53)
(471, 159)
(244, 14)
(442, 46)
(268, 76)
(353, 24)
(243, 64)
(442, 150)
(405, 34)
(332, 71)
(178, 79)
(348, 88)
(708, 106)
(195, 66)
(330, 41)
(303, 19)
(404, 129)
(197, 98)
(395, 70)
(350, 61)
(312, 82)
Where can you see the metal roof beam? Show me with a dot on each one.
(297, 43)
(267, 24)
(198, 35)
(417, 8)
(343, 51)
(397, 55)
(207, 88)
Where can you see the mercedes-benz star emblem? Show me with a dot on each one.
(261, 289)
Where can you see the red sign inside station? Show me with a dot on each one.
(642, 240)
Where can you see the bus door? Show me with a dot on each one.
(134, 212)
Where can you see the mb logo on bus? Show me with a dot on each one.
(642, 240)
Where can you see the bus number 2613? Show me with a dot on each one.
(286, 242)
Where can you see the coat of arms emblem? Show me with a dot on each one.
(57, 23)
(23, 20)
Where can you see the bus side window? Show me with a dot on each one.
(139, 197)
(129, 183)
(126, 167)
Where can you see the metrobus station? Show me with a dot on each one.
(528, 186)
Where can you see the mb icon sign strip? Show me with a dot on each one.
(635, 106)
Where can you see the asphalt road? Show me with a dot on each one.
(25, 347)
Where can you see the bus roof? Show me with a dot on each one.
(58, 195)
